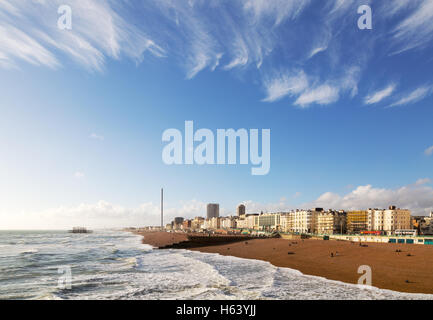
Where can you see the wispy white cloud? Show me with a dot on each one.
(209, 35)
(414, 96)
(279, 10)
(244, 33)
(378, 96)
(283, 85)
(389, 9)
(349, 82)
(310, 89)
(416, 29)
(187, 35)
(29, 32)
(323, 94)
(342, 5)
(316, 51)
(17, 45)
(217, 61)
(240, 55)
(428, 151)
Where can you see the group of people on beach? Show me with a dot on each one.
(332, 254)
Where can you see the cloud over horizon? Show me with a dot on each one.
(418, 197)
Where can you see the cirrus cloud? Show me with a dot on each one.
(29, 32)
(414, 96)
(380, 95)
(255, 35)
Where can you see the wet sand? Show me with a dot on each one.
(390, 269)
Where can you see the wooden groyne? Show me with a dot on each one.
(181, 240)
(195, 241)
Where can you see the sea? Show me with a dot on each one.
(112, 264)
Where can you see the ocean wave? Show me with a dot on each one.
(272, 282)
(29, 251)
(106, 267)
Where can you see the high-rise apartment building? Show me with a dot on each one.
(213, 210)
(178, 223)
(240, 210)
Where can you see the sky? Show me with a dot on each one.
(82, 110)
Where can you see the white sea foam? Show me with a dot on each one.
(123, 268)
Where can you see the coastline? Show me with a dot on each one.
(391, 270)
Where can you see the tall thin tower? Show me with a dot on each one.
(162, 208)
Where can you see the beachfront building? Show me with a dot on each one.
(375, 220)
(268, 222)
(389, 220)
(286, 220)
(228, 223)
(177, 223)
(426, 225)
(186, 225)
(240, 210)
(213, 210)
(197, 223)
(416, 222)
(299, 221)
(324, 221)
(357, 221)
(242, 224)
(396, 219)
(206, 224)
(315, 220)
(252, 220)
(340, 222)
(215, 223)
(249, 221)
(303, 221)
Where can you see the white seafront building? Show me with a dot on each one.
(228, 222)
(389, 220)
(314, 221)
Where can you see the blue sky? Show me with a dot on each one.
(83, 110)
